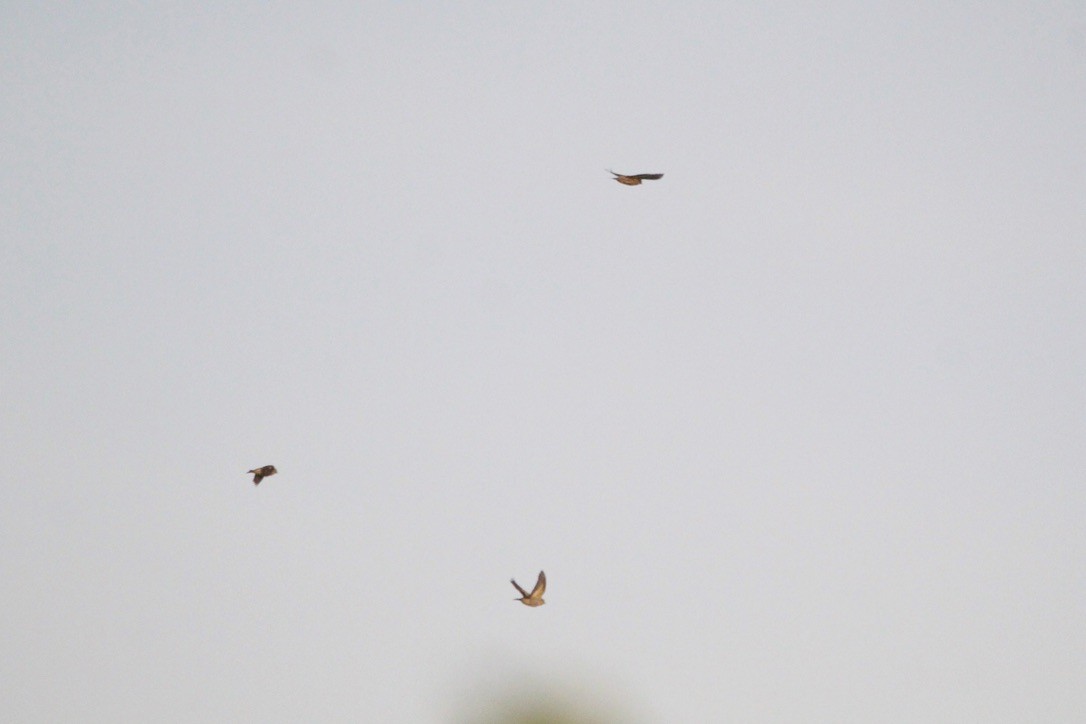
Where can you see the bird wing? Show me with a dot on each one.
(257, 478)
(540, 585)
(649, 176)
(517, 586)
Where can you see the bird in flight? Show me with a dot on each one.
(636, 179)
(261, 473)
(535, 598)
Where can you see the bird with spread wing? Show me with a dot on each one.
(635, 179)
(261, 473)
(535, 598)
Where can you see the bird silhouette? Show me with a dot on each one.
(261, 473)
(635, 179)
(535, 598)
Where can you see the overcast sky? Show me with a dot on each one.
(798, 432)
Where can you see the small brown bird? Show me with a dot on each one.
(636, 179)
(261, 473)
(535, 598)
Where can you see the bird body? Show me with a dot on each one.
(535, 598)
(261, 473)
(635, 179)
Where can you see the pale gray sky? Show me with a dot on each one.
(797, 432)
